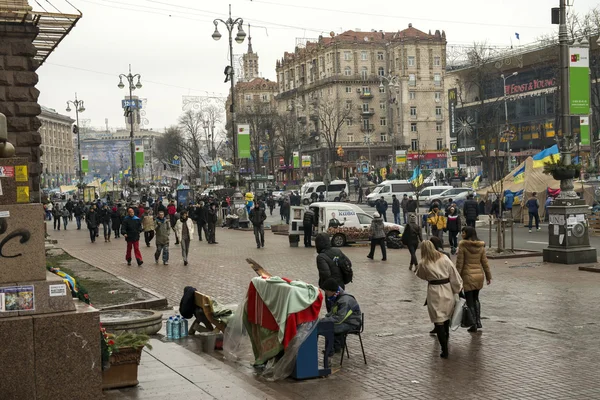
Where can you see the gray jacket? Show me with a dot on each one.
(377, 231)
(345, 310)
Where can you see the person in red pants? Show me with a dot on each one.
(130, 229)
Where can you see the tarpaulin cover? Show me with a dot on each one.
(255, 324)
(535, 181)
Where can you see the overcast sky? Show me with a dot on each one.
(169, 42)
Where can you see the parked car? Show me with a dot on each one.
(426, 193)
(450, 193)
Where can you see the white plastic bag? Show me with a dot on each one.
(458, 313)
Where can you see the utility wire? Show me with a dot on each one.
(209, 94)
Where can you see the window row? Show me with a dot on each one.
(415, 145)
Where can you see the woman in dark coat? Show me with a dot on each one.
(411, 237)
(115, 217)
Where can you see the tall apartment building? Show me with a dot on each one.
(387, 86)
(57, 147)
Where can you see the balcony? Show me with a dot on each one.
(367, 112)
(367, 129)
(366, 95)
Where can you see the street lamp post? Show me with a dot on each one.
(506, 130)
(230, 24)
(130, 78)
(79, 107)
(391, 81)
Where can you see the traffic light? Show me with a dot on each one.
(340, 151)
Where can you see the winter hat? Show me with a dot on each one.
(330, 284)
(322, 242)
(376, 215)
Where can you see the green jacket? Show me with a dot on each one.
(345, 310)
(162, 228)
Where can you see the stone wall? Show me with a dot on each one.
(18, 96)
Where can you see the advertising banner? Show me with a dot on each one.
(139, 155)
(400, 156)
(306, 161)
(584, 131)
(243, 138)
(84, 164)
(579, 81)
(296, 158)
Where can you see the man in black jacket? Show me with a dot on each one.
(130, 229)
(79, 211)
(307, 224)
(211, 219)
(470, 211)
(396, 209)
(326, 264)
(411, 205)
(91, 220)
(258, 216)
(381, 206)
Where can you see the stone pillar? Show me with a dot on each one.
(568, 236)
(18, 95)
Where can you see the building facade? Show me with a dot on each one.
(505, 107)
(364, 95)
(57, 148)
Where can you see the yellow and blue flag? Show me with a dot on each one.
(476, 181)
(550, 154)
(417, 177)
(519, 175)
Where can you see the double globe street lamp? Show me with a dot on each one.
(230, 24)
(129, 112)
(79, 107)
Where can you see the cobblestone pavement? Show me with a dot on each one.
(540, 336)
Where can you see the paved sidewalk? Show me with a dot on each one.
(540, 336)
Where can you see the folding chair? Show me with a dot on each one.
(358, 333)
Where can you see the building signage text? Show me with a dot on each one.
(529, 86)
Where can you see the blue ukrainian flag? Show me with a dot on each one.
(550, 154)
(519, 175)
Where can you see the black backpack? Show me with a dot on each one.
(345, 266)
(187, 306)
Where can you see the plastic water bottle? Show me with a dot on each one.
(184, 327)
(176, 328)
(170, 328)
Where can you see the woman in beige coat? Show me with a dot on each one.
(444, 282)
(472, 265)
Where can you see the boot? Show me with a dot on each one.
(473, 329)
(478, 314)
(447, 328)
(443, 339)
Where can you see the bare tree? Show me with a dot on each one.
(168, 146)
(191, 125)
(287, 137)
(332, 115)
(474, 87)
(261, 118)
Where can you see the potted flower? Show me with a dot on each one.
(560, 171)
(120, 358)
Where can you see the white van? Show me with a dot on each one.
(388, 188)
(356, 222)
(426, 193)
(330, 192)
